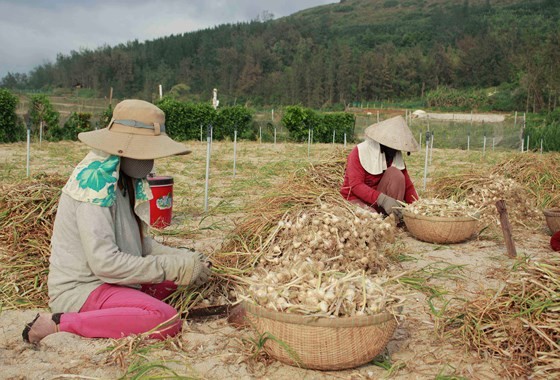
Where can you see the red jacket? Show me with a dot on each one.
(361, 185)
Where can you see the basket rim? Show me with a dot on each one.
(553, 211)
(315, 321)
(443, 219)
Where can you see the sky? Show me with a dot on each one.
(33, 32)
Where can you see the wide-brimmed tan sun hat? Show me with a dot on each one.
(394, 133)
(137, 130)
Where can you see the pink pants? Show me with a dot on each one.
(113, 311)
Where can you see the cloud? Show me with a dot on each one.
(33, 32)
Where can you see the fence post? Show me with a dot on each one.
(426, 159)
(469, 133)
(506, 228)
(28, 146)
(234, 150)
(208, 145)
(431, 146)
(345, 139)
(308, 142)
(541, 145)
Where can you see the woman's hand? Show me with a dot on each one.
(390, 205)
(186, 268)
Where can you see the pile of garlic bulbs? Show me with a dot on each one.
(334, 237)
(325, 262)
(520, 205)
(446, 208)
(302, 289)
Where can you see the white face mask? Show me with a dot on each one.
(136, 168)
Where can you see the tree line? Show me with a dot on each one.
(332, 56)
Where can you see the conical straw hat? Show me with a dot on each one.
(394, 133)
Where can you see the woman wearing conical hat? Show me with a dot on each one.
(106, 276)
(376, 177)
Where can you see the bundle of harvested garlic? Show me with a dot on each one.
(335, 237)
(440, 207)
(521, 205)
(322, 262)
(302, 289)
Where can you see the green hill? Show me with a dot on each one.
(440, 51)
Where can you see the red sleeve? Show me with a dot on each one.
(355, 180)
(410, 194)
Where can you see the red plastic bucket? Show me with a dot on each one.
(161, 205)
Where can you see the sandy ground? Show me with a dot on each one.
(212, 349)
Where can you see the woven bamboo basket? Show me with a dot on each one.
(319, 342)
(552, 216)
(438, 229)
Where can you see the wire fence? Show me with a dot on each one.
(467, 131)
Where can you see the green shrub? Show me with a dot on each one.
(231, 118)
(340, 123)
(299, 120)
(547, 130)
(41, 110)
(184, 120)
(506, 97)
(11, 129)
(106, 117)
(77, 123)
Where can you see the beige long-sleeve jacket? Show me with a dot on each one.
(92, 245)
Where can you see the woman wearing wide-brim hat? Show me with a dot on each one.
(376, 177)
(106, 276)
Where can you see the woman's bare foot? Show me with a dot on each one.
(43, 325)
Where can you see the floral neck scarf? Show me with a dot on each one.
(95, 178)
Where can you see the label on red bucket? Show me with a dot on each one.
(165, 201)
(161, 205)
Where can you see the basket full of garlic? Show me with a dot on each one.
(320, 342)
(319, 295)
(325, 320)
(440, 221)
